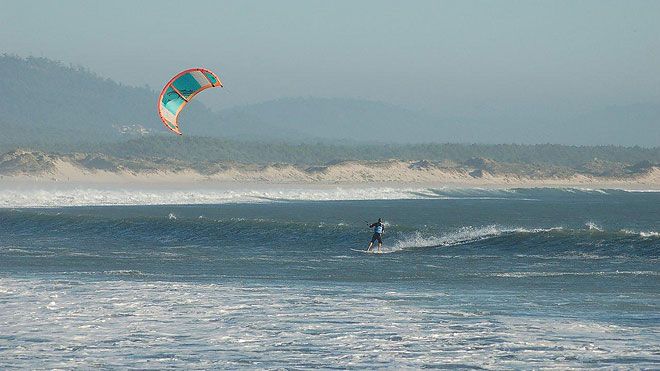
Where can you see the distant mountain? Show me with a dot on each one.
(363, 121)
(353, 120)
(47, 104)
(633, 124)
(332, 119)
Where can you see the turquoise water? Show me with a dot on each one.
(521, 278)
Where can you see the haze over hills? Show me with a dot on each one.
(74, 117)
(332, 119)
(48, 102)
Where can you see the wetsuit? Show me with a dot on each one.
(379, 228)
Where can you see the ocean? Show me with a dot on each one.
(470, 278)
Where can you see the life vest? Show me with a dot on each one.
(378, 229)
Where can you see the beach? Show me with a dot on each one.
(67, 184)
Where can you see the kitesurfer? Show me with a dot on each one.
(379, 229)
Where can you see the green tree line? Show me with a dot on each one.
(203, 149)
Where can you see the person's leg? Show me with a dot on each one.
(380, 244)
(374, 238)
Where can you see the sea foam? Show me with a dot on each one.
(462, 236)
(80, 196)
(99, 197)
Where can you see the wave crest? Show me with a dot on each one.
(471, 234)
(463, 236)
(82, 196)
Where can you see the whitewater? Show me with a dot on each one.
(59, 196)
(266, 279)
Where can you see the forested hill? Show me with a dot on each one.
(189, 149)
(47, 105)
(47, 102)
(337, 119)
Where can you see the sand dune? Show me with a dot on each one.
(62, 171)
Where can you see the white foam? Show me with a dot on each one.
(61, 195)
(99, 197)
(649, 234)
(79, 196)
(643, 234)
(465, 234)
(227, 325)
(462, 236)
(593, 226)
(558, 274)
(593, 190)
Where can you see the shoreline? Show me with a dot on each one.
(67, 184)
(190, 180)
(40, 170)
(39, 193)
(392, 172)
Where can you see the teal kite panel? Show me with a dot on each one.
(211, 78)
(172, 100)
(187, 85)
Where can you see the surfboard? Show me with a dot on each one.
(367, 252)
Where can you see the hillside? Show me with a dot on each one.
(21, 165)
(52, 105)
(332, 119)
(48, 105)
(200, 149)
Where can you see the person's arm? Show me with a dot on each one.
(372, 225)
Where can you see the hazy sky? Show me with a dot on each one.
(448, 57)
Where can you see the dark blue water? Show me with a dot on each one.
(530, 278)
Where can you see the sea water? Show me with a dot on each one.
(519, 278)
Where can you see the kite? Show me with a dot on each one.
(180, 90)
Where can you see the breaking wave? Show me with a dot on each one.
(496, 233)
(464, 235)
(282, 193)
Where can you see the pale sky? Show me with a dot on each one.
(474, 58)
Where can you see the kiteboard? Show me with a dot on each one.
(368, 252)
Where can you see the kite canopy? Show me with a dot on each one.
(180, 90)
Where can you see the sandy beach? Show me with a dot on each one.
(67, 184)
(350, 174)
